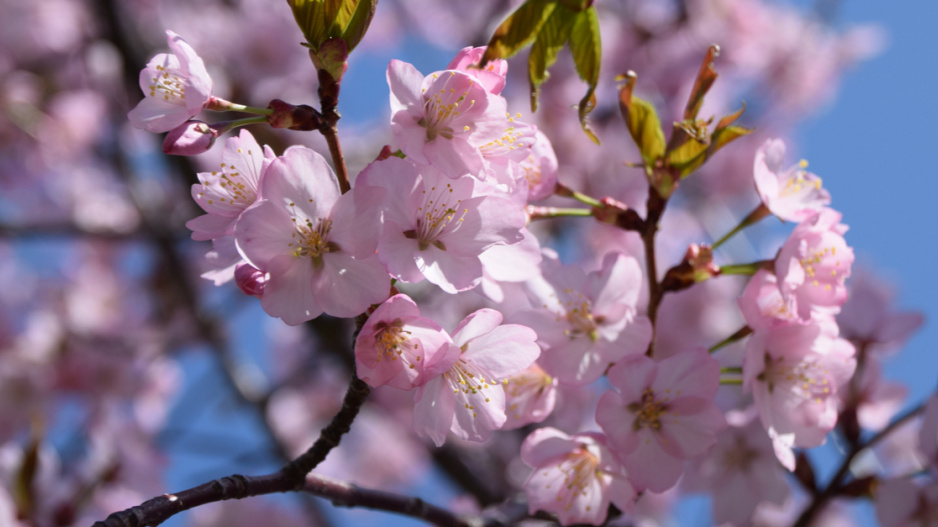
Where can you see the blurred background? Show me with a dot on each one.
(124, 374)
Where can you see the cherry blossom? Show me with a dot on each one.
(814, 263)
(316, 245)
(661, 414)
(396, 343)
(435, 227)
(575, 477)
(444, 118)
(585, 322)
(225, 193)
(466, 395)
(740, 472)
(763, 305)
(492, 76)
(176, 88)
(794, 373)
(529, 397)
(792, 194)
(868, 316)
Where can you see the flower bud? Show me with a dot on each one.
(250, 280)
(190, 138)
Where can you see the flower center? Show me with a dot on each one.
(649, 411)
(466, 377)
(438, 215)
(392, 341)
(580, 317)
(442, 107)
(797, 184)
(168, 86)
(580, 467)
(805, 379)
(312, 240)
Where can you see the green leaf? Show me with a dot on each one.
(518, 30)
(723, 137)
(687, 157)
(643, 124)
(551, 38)
(586, 48)
(354, 19)
(705, 78)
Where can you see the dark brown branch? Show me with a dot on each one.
(344, 494)
(288, 479)
(655, 206)
(836, 483)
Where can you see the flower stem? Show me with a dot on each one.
(563, 190)
(747, 269)
(536, 212)
(217, 104)
(740, 333)
(731, 382)
(760, 212)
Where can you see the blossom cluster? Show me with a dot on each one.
(557, 344)
(451, 207)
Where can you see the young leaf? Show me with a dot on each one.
(642, 122)
(550, 39)
(587, 50)
(705, 78)
(518, 30)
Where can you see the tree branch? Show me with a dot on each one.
(344, 494)
(290, 478)
(832, 488)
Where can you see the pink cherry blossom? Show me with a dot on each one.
(466, 395)
(443, 119)
(530, 397)
(762, 304)
(436, 227)
(661, 414)
(587, 321)
(575, 477)
(814, 263)
(225, 193)
(540, 169)
(868, 315)
(877, 400)
(396, 343)
(794, 373)
(492, 76)
(176, 88)
(316, 245)
(740, 472)
(792, 194)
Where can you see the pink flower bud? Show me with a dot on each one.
(189, 138)
(250, 280)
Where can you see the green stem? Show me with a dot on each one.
(731, 369)
(562, 190)
(740, 333)
(217, 104)
(536, 212)
(760, 212)
(747, 269)
(731, 382)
